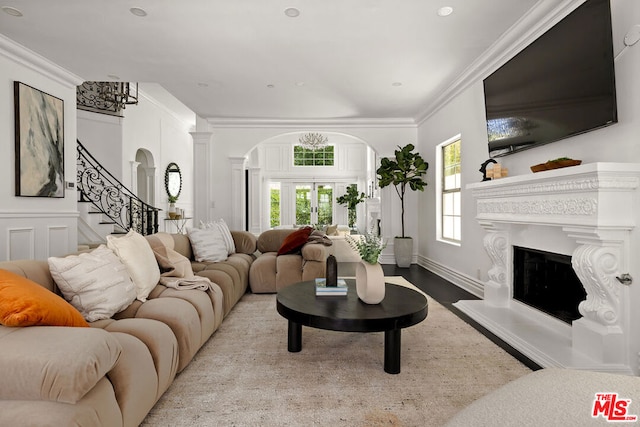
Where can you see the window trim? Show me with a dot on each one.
(440, 192)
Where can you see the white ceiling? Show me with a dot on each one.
(339, 59)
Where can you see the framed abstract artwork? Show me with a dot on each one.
(39, 127)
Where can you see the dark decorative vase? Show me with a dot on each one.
(332, 271)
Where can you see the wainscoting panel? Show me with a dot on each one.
(58, 237)
(37, 235)
(21, 243)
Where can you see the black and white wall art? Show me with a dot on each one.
(39, 121)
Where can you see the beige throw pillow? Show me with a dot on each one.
(96, 283)
(135, 252)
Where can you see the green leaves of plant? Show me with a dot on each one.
(351, 198)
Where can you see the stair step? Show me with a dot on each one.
(107, 222)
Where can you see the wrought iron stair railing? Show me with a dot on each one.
(99, 187)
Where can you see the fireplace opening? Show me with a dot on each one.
(547, 281)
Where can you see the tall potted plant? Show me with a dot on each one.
(406, 171)
(351, 199)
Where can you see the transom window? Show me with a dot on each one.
(451, 192)
(307, 157)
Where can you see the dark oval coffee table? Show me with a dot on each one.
(402, 307)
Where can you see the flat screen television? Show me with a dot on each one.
(561, 85)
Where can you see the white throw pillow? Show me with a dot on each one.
(96, 283)
(208, 244)
(135, 252)
(224, 230)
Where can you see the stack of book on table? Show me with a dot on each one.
(323, 290)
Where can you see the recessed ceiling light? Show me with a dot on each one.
(292, 12)
(299, 84)
(396, 84)
(445, 11)
(203, 85)
(113, 77)
(138, 11)
(270, 86)
(11, 11)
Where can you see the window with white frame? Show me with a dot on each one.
(309, 157)
(450, 189)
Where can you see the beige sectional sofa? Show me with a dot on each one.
(113, 372)
(271, 272)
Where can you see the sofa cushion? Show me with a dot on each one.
(53, 363)
(207, 244)
(332, 230)
(96, 283)
(294, 241)
(25, 303)
(135, 252)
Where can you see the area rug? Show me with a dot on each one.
(244, 375)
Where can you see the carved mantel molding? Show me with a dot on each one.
(590, 204)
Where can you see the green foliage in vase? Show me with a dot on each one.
(173, 199)
(351, 199)
(369, 246)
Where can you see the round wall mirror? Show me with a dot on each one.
(173, 180)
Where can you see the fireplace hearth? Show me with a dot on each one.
(586, 217)
(546, 281)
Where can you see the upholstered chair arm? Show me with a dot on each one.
(245, 242)
(314, 252)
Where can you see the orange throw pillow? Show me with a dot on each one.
(294, 241)
(25, 303)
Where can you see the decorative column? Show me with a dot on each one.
(256, 191)
(202, 176)
(134, 176)
(238, 193)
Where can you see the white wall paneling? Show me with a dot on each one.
(21, 243)
(58, 237)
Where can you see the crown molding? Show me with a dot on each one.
(540, 18)
(38, 63)
(310, 123)
(188, 125)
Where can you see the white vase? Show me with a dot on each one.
(370, 282)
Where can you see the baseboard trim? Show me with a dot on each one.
(459, 279)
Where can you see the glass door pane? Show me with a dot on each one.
(303, 204)
(324, 204)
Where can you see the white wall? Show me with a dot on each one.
(464, 114)
(35, 227)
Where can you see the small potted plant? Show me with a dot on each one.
(370, 284)
(369, 246)
(405, 172)
(172, 206)
(351, 199)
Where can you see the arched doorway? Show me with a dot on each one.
(145, 176)
(283, 193)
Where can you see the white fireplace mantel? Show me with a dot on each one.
(588, 209)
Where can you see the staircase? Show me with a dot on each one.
(106, 206)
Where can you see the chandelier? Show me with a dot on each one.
(313, 141)
(120, 94)
(106, 97)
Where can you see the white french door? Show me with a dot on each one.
(314, 203)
